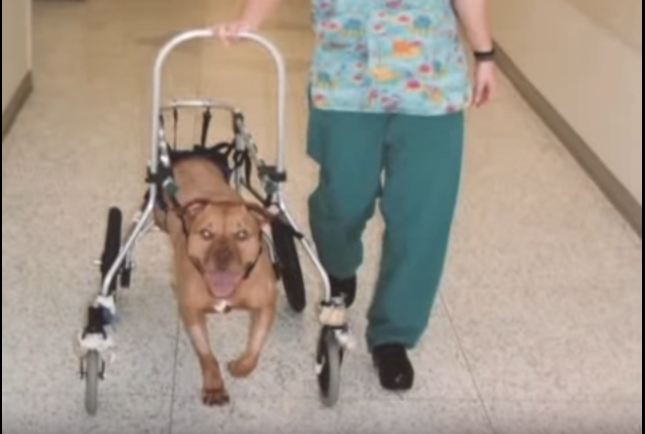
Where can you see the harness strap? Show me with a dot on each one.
(208, 117)
(175, 126)
(254, 265)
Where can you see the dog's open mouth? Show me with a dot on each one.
(223, 284)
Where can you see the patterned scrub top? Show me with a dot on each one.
(389, 56)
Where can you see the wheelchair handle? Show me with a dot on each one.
(192, 35)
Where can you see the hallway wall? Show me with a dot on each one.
(16, 49)
(585, 57)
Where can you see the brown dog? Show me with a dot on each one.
(221, 265)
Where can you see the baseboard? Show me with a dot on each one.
(17, 101)
(613, 189)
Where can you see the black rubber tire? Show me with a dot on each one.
(330, 354)
(92, 376)
(126, 277)
(285, 249)
(112, 245)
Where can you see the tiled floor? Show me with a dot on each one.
(539, 329)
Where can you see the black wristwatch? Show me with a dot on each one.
(485, 56)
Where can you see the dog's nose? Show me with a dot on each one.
(223, 257)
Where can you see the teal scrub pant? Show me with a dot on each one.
(413, 165)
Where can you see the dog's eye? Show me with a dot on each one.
(242, 235)
(206, 234)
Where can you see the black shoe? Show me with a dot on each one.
(345, 288)
(394, 368)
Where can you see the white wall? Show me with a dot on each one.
(585, 57)
(16, 46)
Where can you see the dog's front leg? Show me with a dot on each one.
(213, 392)
(261, 322)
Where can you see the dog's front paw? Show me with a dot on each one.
(215, 397)
(242, 367)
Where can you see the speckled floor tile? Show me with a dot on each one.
(63, 413)
(288, 416)
(567, 417)
(545, 281)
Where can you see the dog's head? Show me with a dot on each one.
(223, 242)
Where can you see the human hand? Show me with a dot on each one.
(485, 83)
(230, 32)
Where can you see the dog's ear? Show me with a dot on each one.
(191, 211)
(261, 214)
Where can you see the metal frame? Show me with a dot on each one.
(95, 338)
(144, 221)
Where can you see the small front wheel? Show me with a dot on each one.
(93, 373)
(330, 354)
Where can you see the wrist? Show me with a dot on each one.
(485, 55)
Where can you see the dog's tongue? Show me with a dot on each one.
(222, 285)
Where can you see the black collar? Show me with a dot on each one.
(253, 266)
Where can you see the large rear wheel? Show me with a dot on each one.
(112, 245)
(284, 239)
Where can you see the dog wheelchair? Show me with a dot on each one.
(239, 158)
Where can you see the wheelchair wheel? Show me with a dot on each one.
(330, 354)
(112, 245)
(284, 241)
(126, 276)
(93, 373)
